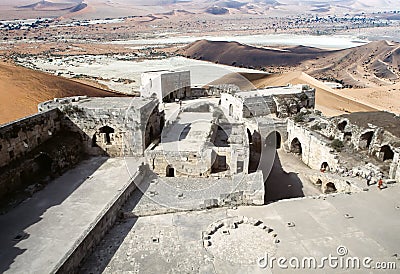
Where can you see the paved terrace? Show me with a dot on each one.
(366, 223)
(36, 236)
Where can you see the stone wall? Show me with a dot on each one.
(166, 84)
(181, 163)
(315, 148)
(27, 154)
(20, 137)
(85, 245)
(111, 126)
(372, 139)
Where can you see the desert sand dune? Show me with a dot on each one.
(236, 54)
(21, 90)
(371, 65)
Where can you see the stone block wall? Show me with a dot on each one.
(180, 163)
(95, 233)
(36, 167)
(315, 148)
(115, 131)
(20, 137)
(166, 84)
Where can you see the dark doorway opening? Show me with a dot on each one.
(324, 167)
(230, 110)
(366, 139)
(330, 188)
(386, 153)
(255, 150)
(295, 147)
(106, 130)
(341, 126)
(170, 172)
(219, 164)
(221, 138)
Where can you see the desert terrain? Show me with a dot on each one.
(348, 42)
(21, 90)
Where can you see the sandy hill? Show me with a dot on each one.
(65, 6)
(236, 54)
(21, 90)
(370, 65)
(374, 64)
(120, 8)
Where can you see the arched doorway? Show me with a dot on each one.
(106, 132)
(273, 139)
(170, 171)
(324, 167)
(386, 153)
(295, 147)
(330, 188)
(366, 139)
(341, 126)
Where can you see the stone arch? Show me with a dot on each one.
(169, 171)
(106, 131)
(366, 139)
(274, 139)
(330, 188)
(342, 125)
(386, 153)
(324, 166)
(295, 146)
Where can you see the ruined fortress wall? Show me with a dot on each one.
(232, 106)
(315, 149)
(183, 163)
(178, 82)
(85, 245)
(20, 137)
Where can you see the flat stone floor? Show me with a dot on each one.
(365, 223)
(37, 234)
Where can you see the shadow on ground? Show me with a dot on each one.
(279, 183)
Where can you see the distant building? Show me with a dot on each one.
(284, 101)
(165, 85)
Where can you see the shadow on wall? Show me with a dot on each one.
(50, 159)
(280, 184)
